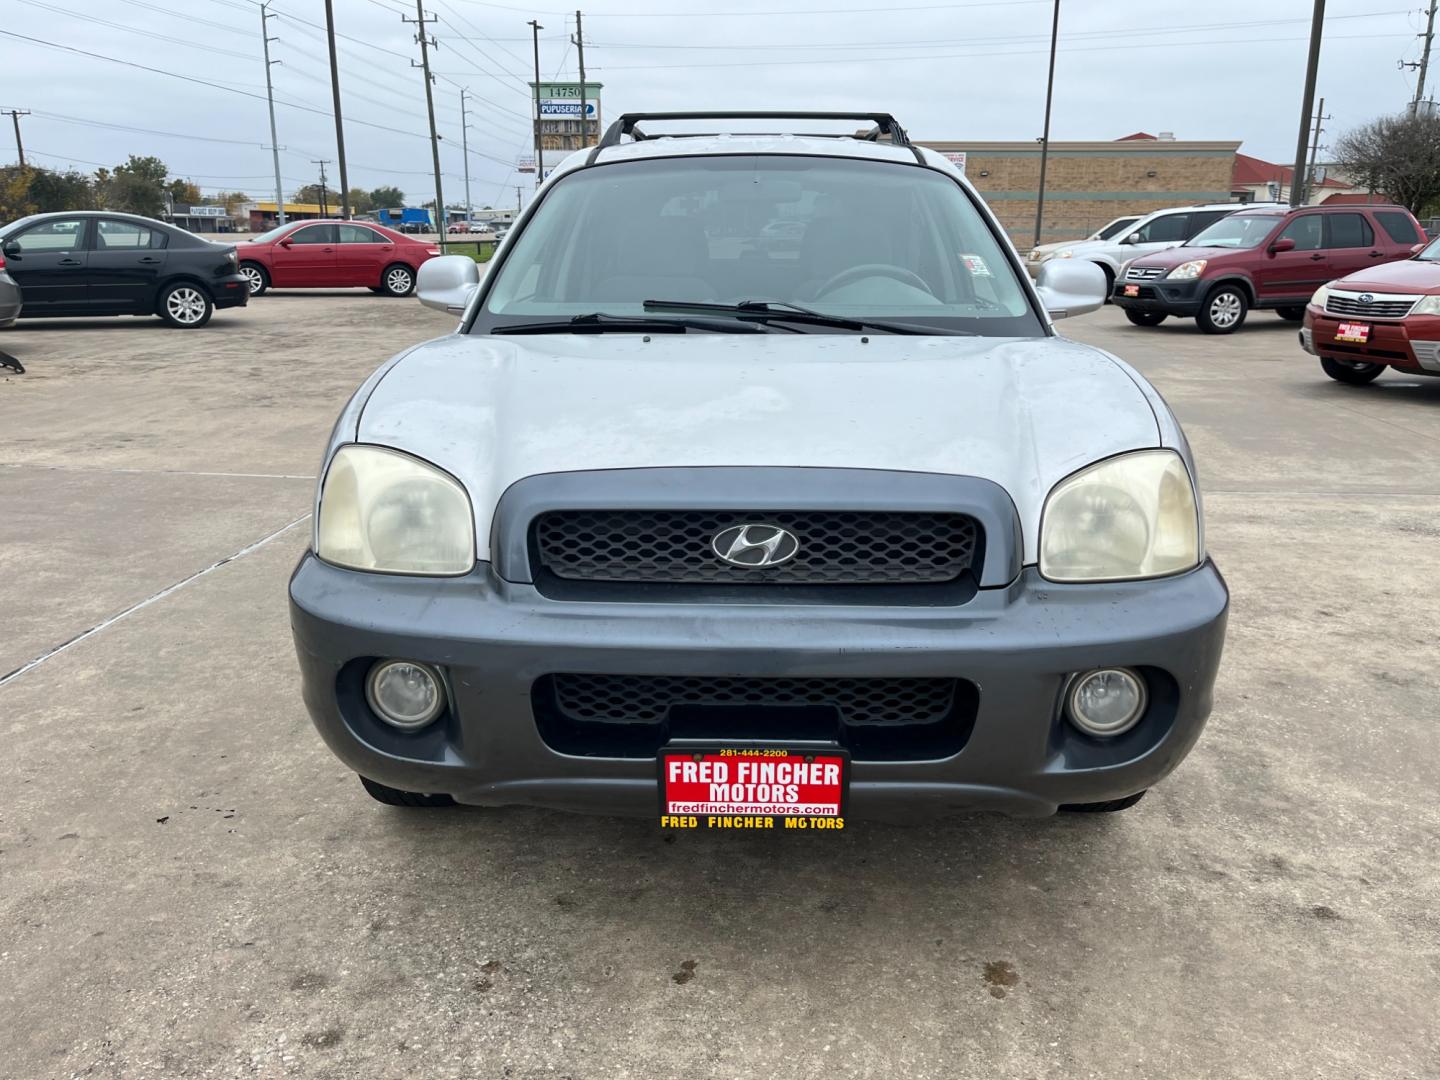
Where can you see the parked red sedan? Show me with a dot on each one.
(333, 254)
(1383, 316)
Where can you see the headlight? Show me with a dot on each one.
(1132, 516)
(1428, 305)
(387, 511)
(1191, 269)
(1322, 294)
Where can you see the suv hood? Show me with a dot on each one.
(492, 410)
(1407, 276)
(1172, 257)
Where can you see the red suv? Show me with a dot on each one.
(333, 254)
(1262, 258)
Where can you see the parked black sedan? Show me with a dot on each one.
(85, 263)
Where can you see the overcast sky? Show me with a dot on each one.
(1226, 69)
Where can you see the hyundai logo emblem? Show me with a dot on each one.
(755, 546)
(1366, 298)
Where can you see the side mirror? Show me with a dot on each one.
(1070, 287)
(1415, 249)
(11, 249)
(1133, 238)
(1283, 244)
(286, 242)
(447, 282)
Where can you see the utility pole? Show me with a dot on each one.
(339, 126)
(1424, 60)
(1320, 118)
(579, 42)
(519, 202)
(535, 28)
(1312, 65)
(465, 152)
(322, 163)
(265, 40)
(15, 115)
(1045, 138)
(425, 42)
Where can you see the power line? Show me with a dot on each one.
(137, 30)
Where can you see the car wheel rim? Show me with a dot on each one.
(400, 280)
(252, 278)
(185, 305)
(1225, 309)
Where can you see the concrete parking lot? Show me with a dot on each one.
(191, 886)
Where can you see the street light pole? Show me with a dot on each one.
(1045, 138)
(339, 125)
(535, 29)
(1317, 30)
(465, 151)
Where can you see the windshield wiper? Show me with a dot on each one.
(784, 311)
(600, 322)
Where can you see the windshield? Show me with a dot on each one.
(840, 237)
(1236, 231)
(1431, 252)
(1115, 228)
(273, 234)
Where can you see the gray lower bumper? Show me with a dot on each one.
(1018, 645)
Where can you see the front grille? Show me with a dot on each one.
(1144, 273)
(1352, 306)
(836, 547)
(648, 699)
(633, 716)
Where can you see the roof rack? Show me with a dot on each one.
(628, 123)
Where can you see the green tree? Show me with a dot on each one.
(360, 201)
(313, 193)
(1397, 156)
(391, 198)
(137, 187)
(184, 192)
(232, 201)
(33, 191)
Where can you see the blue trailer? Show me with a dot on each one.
(410, 219)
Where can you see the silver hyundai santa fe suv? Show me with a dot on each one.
(745, 535)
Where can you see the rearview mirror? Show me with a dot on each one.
(1070, 287)
(1283, 244)
(447, 282)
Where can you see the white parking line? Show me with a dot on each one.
(78, 638)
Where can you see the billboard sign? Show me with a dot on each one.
(206, 211)
(525, 163)
(567, 91)
(957, 158)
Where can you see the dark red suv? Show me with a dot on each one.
(1263, 258)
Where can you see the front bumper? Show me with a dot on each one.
(1180, 297)
(1017, 645)
(1411, 344)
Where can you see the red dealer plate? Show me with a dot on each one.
(714, 784)
(1353, 331)
(1132, 290)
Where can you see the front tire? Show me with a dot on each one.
(186, 306)
(1351, 372)
(1291, 314)
(1223, 311)
(255, 278)
(1109, 281)
(396, 797)
(1145, 318)
(397, 280)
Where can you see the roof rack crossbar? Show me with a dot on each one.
(628, 124)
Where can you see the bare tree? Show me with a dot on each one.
(1396, 156)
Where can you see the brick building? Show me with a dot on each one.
(1090, 183)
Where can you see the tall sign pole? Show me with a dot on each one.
(1045, 138)
(1317, 30)
(265, 40)
(579, 42)
(535, 29)
(339, 124)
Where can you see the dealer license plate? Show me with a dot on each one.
(753, 787)
(1132, 290)
(1353, 331)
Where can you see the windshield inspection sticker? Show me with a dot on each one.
(748, 788)
(976, 265)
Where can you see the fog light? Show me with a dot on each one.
(404, 694)
(1106, 702)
